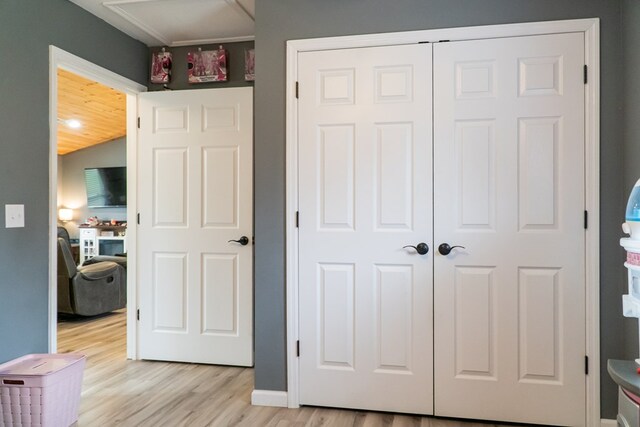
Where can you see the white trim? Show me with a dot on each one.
(236, 39)
(452, 34)
(291, 229)
(132, 227)
(59, 58)
(592, 205)
(608, 423)
(269, 398)
(590, 27)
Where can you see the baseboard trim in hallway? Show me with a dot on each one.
(269, 398)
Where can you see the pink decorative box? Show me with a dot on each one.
(633, 258)
(41, 390)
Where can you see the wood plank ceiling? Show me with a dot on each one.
(100, 110)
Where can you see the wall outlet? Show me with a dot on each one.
(14, 216)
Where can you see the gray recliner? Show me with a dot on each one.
(89, 290)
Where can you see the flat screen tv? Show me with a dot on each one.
(106, 187)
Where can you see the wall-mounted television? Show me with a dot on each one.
(106, 187)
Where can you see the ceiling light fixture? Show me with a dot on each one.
(73, 123)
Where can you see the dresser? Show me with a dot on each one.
(102, 240)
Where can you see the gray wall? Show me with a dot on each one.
(631, 100)
(631, 127)
(73, 192)
(27, 28)
(281, 20)
(235, 66)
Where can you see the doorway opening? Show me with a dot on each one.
(92, 221)
(65, 71)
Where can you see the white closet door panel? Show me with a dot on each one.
(509, 187)
(365, 192)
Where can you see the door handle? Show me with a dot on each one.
(244, 241)
(421, 248)
(445, 249)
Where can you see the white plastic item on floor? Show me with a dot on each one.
(41, 390)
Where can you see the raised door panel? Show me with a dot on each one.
(540, 325)
(220, 294)
(475, 323)
(394, 314)
(337, 316)
(394, 181)
(171, 293)
(170, 186)
(336, 158)
(220, 184)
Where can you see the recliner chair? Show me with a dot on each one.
(88, 290)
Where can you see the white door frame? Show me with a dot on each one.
(59, 58)
(591, 30)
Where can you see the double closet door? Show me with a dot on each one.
(441, 260)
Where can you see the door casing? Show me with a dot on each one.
(591, 30)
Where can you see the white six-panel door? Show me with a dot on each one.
(365, 179)
(195, 194)
(509, 187)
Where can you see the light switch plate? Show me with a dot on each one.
(14, 216)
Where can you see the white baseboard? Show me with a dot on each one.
(608, 423)
(269, 398)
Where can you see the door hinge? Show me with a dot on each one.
(138, 314)
(586, 365)
(298, 348)
(297, 89)
(138, 122)
(297, 219)
(586, 220)
(586, 73)
(138, 218)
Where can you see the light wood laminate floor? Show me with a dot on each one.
(120, 392)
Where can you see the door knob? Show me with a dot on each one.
(421, 248)
(244, 241)
(445, 249)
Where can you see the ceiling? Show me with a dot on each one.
(100, 110)
(177, 22)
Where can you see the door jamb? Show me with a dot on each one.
(59, 58)
(591, 30)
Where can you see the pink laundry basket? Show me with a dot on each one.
(41, 390)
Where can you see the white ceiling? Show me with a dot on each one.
(177, 22)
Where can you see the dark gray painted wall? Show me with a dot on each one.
(27, 28)
(281, 20)
(235, 66)
(631, 100)
(631, 127)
